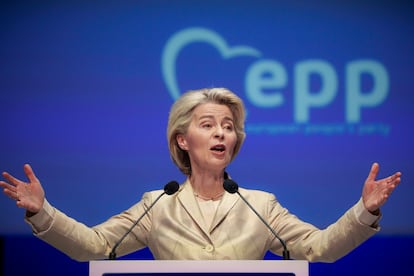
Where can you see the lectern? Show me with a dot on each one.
(204, 268)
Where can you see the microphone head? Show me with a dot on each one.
(171, 187)
(230, 186)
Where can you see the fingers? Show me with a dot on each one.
(27, 170)
(13, 195)
(28, 195)
(9, 190)
(29, 173)
(374, 172)
(7, 186)
(392, 180)
(390, 183)
(15, 188)
(396, 177)
(11, 179)
(395, 180)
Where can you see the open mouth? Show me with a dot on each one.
(218, 148)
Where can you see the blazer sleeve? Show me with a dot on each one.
(307, 242)
(84, 243)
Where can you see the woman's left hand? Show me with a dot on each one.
(376, 192)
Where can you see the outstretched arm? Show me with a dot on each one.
(28, 195)
(376, 192)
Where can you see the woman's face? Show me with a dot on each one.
(210, 138)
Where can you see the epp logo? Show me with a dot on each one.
(270, 75)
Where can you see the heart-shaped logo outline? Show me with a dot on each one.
(187, 36)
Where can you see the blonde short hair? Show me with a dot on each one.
(181, 114)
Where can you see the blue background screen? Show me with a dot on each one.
(86, 88)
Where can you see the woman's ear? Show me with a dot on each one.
(182, 143)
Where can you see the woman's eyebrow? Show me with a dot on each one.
(226, 118)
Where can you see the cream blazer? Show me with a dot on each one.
(174, 229)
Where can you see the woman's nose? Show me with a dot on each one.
(219, 132)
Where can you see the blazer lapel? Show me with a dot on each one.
(226, 204)
(189, 202)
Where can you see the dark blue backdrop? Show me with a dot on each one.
(86, 88)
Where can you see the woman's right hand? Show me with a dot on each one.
(28, 195)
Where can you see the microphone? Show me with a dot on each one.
(169, 189)
(231, 187)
